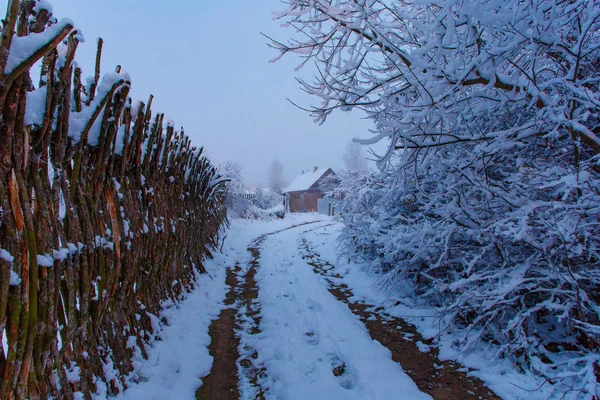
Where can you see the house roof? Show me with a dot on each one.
(306, 180)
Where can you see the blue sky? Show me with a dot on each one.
(207, 66)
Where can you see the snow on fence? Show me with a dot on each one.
(329, 206)
(246, 196)
(106, 212)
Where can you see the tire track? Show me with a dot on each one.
(222, 381)
(234, 366)
(443, 380)
(249, 320)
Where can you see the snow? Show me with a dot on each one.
(120, 141)
(94, 133)
(6, 256)
(184, 357)
(61, 254)
(305, 180)
(44, 260)
(14, 279)
(4, 342)
(72, 248)
(180, 358)
(25, 46)
(500, 375)
(73, 374)
(306, 332)
(502, 256)
(43, 5)
(79, 120)
(36, 106)
(423, 347)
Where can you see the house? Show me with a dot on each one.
(305, 192)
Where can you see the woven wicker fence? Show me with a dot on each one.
(106, 211)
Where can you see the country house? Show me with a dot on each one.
(305, 192)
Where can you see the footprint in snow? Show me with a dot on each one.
(314, 306)
(311, 338)
(340, 371)
(289, 296)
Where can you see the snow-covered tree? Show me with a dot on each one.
(275, 176)
(266, 199)
(488, 198)
(354, 157)
(233, 171)
(429, 72)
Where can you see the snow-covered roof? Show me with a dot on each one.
(306, 180)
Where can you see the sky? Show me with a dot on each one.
(207, 65)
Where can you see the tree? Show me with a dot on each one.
(488, 188)
(266, 199)
(426, 72)
(232, 170)
(354, 158)
(275, 176)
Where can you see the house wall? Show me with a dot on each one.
(296, 202)
(306, 201)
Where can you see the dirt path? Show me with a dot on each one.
(249, 320)
(222, 381)
(443, 380)
(236, 368)
(242, 313)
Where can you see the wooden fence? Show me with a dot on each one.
(105, 211)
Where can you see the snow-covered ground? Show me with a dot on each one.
(178, 360)
(500, 375)
(306, 333)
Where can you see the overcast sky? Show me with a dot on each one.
(207, 66)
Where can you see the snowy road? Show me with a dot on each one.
(310, 344)
(281, 329)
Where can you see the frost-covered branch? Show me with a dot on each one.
(486, 203)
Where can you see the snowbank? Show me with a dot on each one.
(500, 375)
